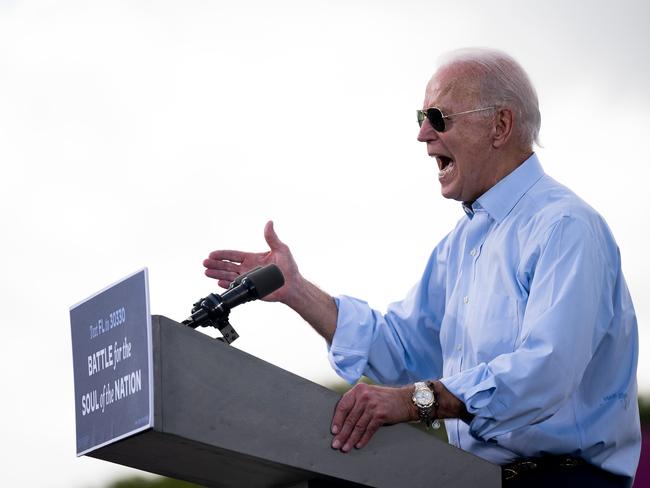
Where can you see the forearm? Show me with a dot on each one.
(449, 407)
(315, 306)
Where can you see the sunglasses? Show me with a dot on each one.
(437, 118)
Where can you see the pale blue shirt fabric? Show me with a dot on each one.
(524, 314)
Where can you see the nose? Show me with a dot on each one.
(426, 132)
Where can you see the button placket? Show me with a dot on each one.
(475, 236)
(481, 231)
(476, 231)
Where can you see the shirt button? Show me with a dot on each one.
(473, 252)
(459, 347)
(465, 300)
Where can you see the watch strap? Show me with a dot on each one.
(427, 412)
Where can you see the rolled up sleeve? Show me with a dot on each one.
(348, 352)
(400, 346)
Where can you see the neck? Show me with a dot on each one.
(508, 162)
(500, 165)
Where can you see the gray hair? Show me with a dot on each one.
(502, 82)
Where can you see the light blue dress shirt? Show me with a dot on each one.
(524, 315)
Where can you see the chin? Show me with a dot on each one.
(450, 194)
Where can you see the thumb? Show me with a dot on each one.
(271, 237)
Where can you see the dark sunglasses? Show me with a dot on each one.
(437, 118)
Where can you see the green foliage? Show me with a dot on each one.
(644, 410)
(157, 482)
(341, 386)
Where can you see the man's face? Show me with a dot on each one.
(463, 150)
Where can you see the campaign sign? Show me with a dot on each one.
(112, 360)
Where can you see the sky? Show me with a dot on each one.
(149, 133)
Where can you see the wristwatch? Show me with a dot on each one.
(424, 400)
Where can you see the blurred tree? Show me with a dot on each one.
(644, 410)
(155, 482)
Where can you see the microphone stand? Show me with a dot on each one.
(209, 318)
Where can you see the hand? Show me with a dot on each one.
(365, 408)
(226, 265)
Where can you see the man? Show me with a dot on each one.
(521, 333)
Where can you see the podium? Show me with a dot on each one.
(224, 418)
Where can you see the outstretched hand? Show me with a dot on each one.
(226, 265)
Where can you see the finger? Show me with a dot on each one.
(371, 428)
(217, 274)
(271, 237)
(221, 265)
(228, 255)
(341, 410)
(348, 427)
(358, 431)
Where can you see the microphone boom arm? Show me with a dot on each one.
(204, 314)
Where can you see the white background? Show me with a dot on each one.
(148, 133)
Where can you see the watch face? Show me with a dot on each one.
(423, 397)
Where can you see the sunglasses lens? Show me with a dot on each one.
(435, 117)
(421, 116)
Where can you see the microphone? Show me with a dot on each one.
(213, 310)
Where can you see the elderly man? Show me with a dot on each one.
(520, 334)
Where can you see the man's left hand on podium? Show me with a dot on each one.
(362, 410)
(365, 408)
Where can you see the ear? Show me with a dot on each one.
(503, 127)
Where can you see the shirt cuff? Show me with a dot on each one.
(348, 352)
(475, 387)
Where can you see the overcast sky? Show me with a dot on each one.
(148, 133)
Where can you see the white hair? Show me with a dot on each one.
(501, 82)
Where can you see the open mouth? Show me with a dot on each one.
(445, 164)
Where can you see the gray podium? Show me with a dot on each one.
(225, 418)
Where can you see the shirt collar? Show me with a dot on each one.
(499, 200)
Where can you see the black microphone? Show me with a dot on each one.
(213, 310)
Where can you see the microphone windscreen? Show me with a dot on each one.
(266, 280)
